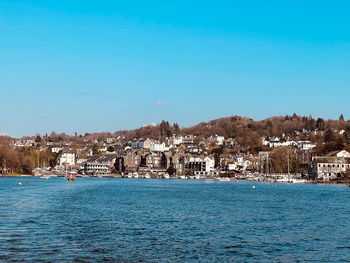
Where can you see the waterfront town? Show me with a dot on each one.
(300, 150)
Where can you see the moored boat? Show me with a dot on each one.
(298, 181)
(71, 177)
(224, 179)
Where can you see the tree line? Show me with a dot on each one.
(23, 160)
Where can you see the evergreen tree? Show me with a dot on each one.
(38, 139)
(329, 136)
(165, 129)
(176, 128)
(320, 124)
(312, 124)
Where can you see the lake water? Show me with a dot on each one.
(138, 220)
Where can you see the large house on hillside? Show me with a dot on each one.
(277, 142)
(331, 166)
(100, 164)
(200, 165)
(141, 144)
(24, 143)
(219, 140)
(341, 153)
(66, 158)
(132, 161)
(57, 148)
(306, 145)
(156, 146)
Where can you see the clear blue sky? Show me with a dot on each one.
(107, 65)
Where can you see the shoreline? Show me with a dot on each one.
(176, 178)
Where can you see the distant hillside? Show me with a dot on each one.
(327, 135)
(247, 132)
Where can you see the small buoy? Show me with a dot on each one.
(253, 186)
(19, 183)
(37, 181)
(26, 182)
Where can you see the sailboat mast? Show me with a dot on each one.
(288, 168)
(267, 164)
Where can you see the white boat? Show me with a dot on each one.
(224, 179)
(298, 181)
(147, 176)
(166, 176)
(282, 180)
(135, 175)
(129, 175)
(182, 177)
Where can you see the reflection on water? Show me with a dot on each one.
(130, 220)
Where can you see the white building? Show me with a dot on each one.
(56, 149)
(99, 165)
(177, 140)
(189, 139)
(232, 167)
(103, 148)
(306, 145)
(343, 153)
(276, 142)
(327, 168)
(66, 158)
(192, 149)
(110, 140)
(200, 164)
(24, 143)
(219, 139)
(157, 146)
(241, 163)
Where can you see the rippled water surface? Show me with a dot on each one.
(130, 220)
